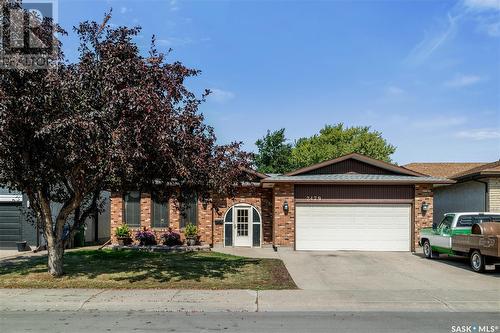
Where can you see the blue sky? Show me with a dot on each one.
(424, 73)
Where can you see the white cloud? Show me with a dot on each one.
(480, 134)
(463, 81)
(483, 12)
(220, 96)
(481, 5)
(489, 24)
(172, 41)
(440, 122)
(433, 41)
(394, 90)
(174, 5)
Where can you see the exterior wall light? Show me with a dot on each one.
(425, 207)
(285, 207)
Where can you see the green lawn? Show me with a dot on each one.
(131, 269)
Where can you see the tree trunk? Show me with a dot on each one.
(56, 255)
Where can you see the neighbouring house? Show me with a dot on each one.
(349, 203)
(477, 187)
(15, 227)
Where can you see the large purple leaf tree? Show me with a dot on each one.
(113, 120)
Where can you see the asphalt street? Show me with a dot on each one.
(131, 321)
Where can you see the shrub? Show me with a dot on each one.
(145, 237)
(122, 231)
(171, 238)
(191, 231)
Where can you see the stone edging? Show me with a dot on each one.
(160, 248)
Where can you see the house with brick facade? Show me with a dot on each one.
(349, 203)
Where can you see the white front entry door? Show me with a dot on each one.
(365, 227)
(242, 227)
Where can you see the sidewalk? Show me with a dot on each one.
(246, 300)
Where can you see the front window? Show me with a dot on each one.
(159, 214)
(189, 211)
(132, 208)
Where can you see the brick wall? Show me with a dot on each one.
(116, 204)
(284, 230)
(423, 193)
(258, 197)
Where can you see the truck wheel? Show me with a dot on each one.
(428, 249)
(477, 261)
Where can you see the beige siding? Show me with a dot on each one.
(494, 195)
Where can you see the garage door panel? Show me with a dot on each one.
(366, 246)
(353, 227)
(14, 238)
(10, 225)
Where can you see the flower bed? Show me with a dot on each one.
(160, 248)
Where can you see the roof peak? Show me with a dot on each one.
(359, 157)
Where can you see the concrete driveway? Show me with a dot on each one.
(349, 270)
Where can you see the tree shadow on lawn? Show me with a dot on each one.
(135, 266)
(23, 265)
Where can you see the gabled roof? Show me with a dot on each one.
(361, 158)
(446, 169)
(489, 169)
(254, 173)
(356, 178)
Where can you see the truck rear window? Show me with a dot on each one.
(469, 220)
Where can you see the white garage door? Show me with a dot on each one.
(367, 227)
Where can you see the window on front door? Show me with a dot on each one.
(242, 222)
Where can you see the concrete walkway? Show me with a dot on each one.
(9, 254)
(246, 300)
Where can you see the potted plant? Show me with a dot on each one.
(171, 238)
(191, 233)
(145, 237)
(123, 235)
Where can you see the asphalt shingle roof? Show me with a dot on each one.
(493, 167)
(355, 177)
(446, 169)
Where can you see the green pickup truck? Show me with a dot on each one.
(439, 239)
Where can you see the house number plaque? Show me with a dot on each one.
(313, 197)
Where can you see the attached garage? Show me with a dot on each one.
(365, 227)
(10, 225)
(353, 202)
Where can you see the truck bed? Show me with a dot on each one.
(487, 244)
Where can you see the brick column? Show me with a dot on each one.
(423, 193)
(174, 215)
(205, 223)
(116, 204)
(267, 215)
(145, 208)
(284, 224)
